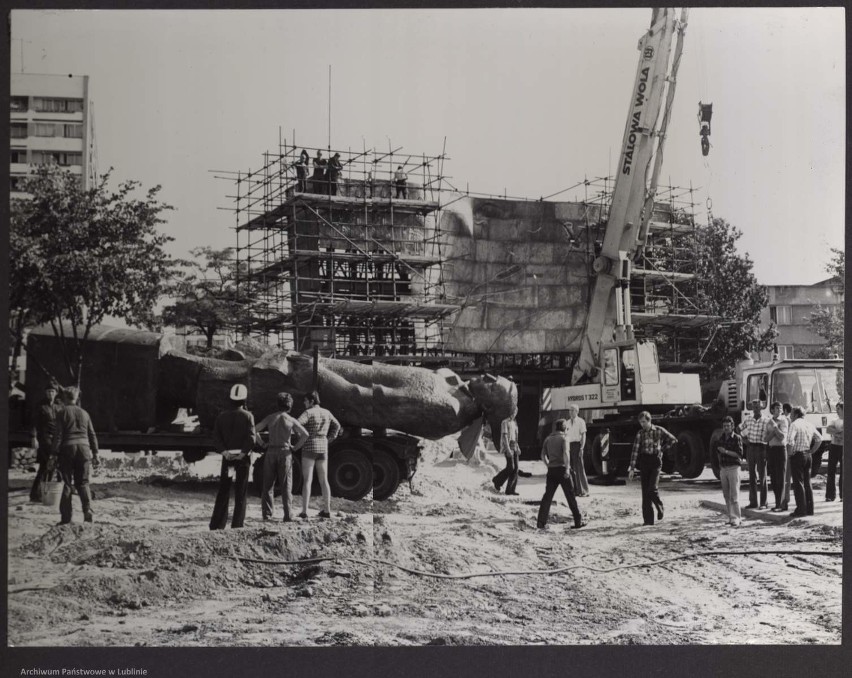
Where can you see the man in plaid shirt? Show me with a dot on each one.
(755, 432)
(802, 441)
(322, 427)
(648, 448)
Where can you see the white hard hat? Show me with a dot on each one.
(238, 392)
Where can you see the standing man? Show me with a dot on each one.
(577, 439)
(555, 453)
(41, 439)
(787, 410)
(776, 453)
(76, 445)
(802, 441)
(234, 436)
(278, 460)
(318, 177)
(399, 181)
(835, 456)
(648, 448)
(729, 452)
(512, 451)
(322, 427)
(754, 432)
(334, 170)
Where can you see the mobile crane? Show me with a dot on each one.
(616, 376)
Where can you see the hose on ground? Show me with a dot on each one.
(558, 570)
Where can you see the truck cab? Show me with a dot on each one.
(815, 385)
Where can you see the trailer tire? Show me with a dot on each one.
(714, 459)
(689, 459)
(386, 474)
(350, 472)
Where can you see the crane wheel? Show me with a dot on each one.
(689, 460)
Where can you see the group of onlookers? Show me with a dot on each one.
(326, 173)
(780, 445)
(66, 444)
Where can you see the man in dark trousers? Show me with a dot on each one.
(511, 451)
(234, 436)
(42, 438)
(648, 448)
(556, 454)
(803, 441)
(76, 447)
(334, 170)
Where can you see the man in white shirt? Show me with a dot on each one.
(776, 453)
(802, 441)
(576, 432)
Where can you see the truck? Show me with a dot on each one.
(616, 376)
(134, 383)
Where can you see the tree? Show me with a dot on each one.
(206, 294)
(827, 321)
(727, 288)
(78, 255)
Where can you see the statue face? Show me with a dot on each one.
(497, 396)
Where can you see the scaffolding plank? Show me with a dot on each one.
(673, 321)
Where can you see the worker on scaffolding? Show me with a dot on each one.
(302, 166)
(334, 169)
(318, 180)
(400, 180)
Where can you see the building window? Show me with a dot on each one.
(44, 105)
(19, 155)
(18, 103)
(44, 129)
(18, 130)
(73, 131)
(785, 352)
(61, 158)
(781, 315)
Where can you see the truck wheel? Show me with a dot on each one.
(689, 460)
(714, 460)
(350, 473)
(386, 474)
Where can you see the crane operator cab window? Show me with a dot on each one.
(628, 384)
(610, 366)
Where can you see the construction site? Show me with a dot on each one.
(420, 368)
(441, 277)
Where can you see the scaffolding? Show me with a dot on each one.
(343, 252)
(665, 294)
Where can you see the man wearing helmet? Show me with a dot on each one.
(234, 436)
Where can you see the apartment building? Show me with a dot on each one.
(790, 307)
(51, 122)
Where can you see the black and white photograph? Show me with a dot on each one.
(385, 328)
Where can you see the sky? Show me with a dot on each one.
(525, 101)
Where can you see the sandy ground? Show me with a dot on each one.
(149, 572)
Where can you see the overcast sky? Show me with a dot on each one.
(529, 100)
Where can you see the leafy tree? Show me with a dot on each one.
(827, 321)
(727, 288)
(78, 255)
(206, 294)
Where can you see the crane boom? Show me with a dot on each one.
(633, 196)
